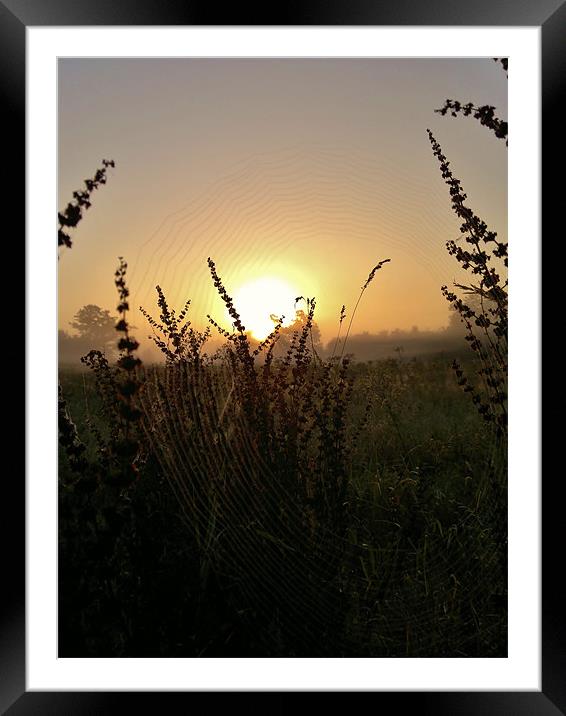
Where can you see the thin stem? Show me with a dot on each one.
(342, 316)
(369, 279)
(351, 320)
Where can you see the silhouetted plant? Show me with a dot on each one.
(504, 61)
(73, 213)
(369, 279)
(487, 326)
(235, 432)
(174, 336)
(485, 317)
(485, 114)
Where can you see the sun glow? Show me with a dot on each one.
(261, 301)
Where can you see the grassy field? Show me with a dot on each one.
(353, 510)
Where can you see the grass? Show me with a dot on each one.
(213, 556)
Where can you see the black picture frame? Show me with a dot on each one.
(15, 17)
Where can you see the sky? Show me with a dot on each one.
(295, 174)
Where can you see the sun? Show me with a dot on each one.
(261, 299)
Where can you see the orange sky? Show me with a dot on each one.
(309, 171)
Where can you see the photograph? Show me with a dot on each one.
(282, 357)
(282, 432)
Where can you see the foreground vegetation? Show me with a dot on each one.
(265, 502)
(261, 503)
(361, 518)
